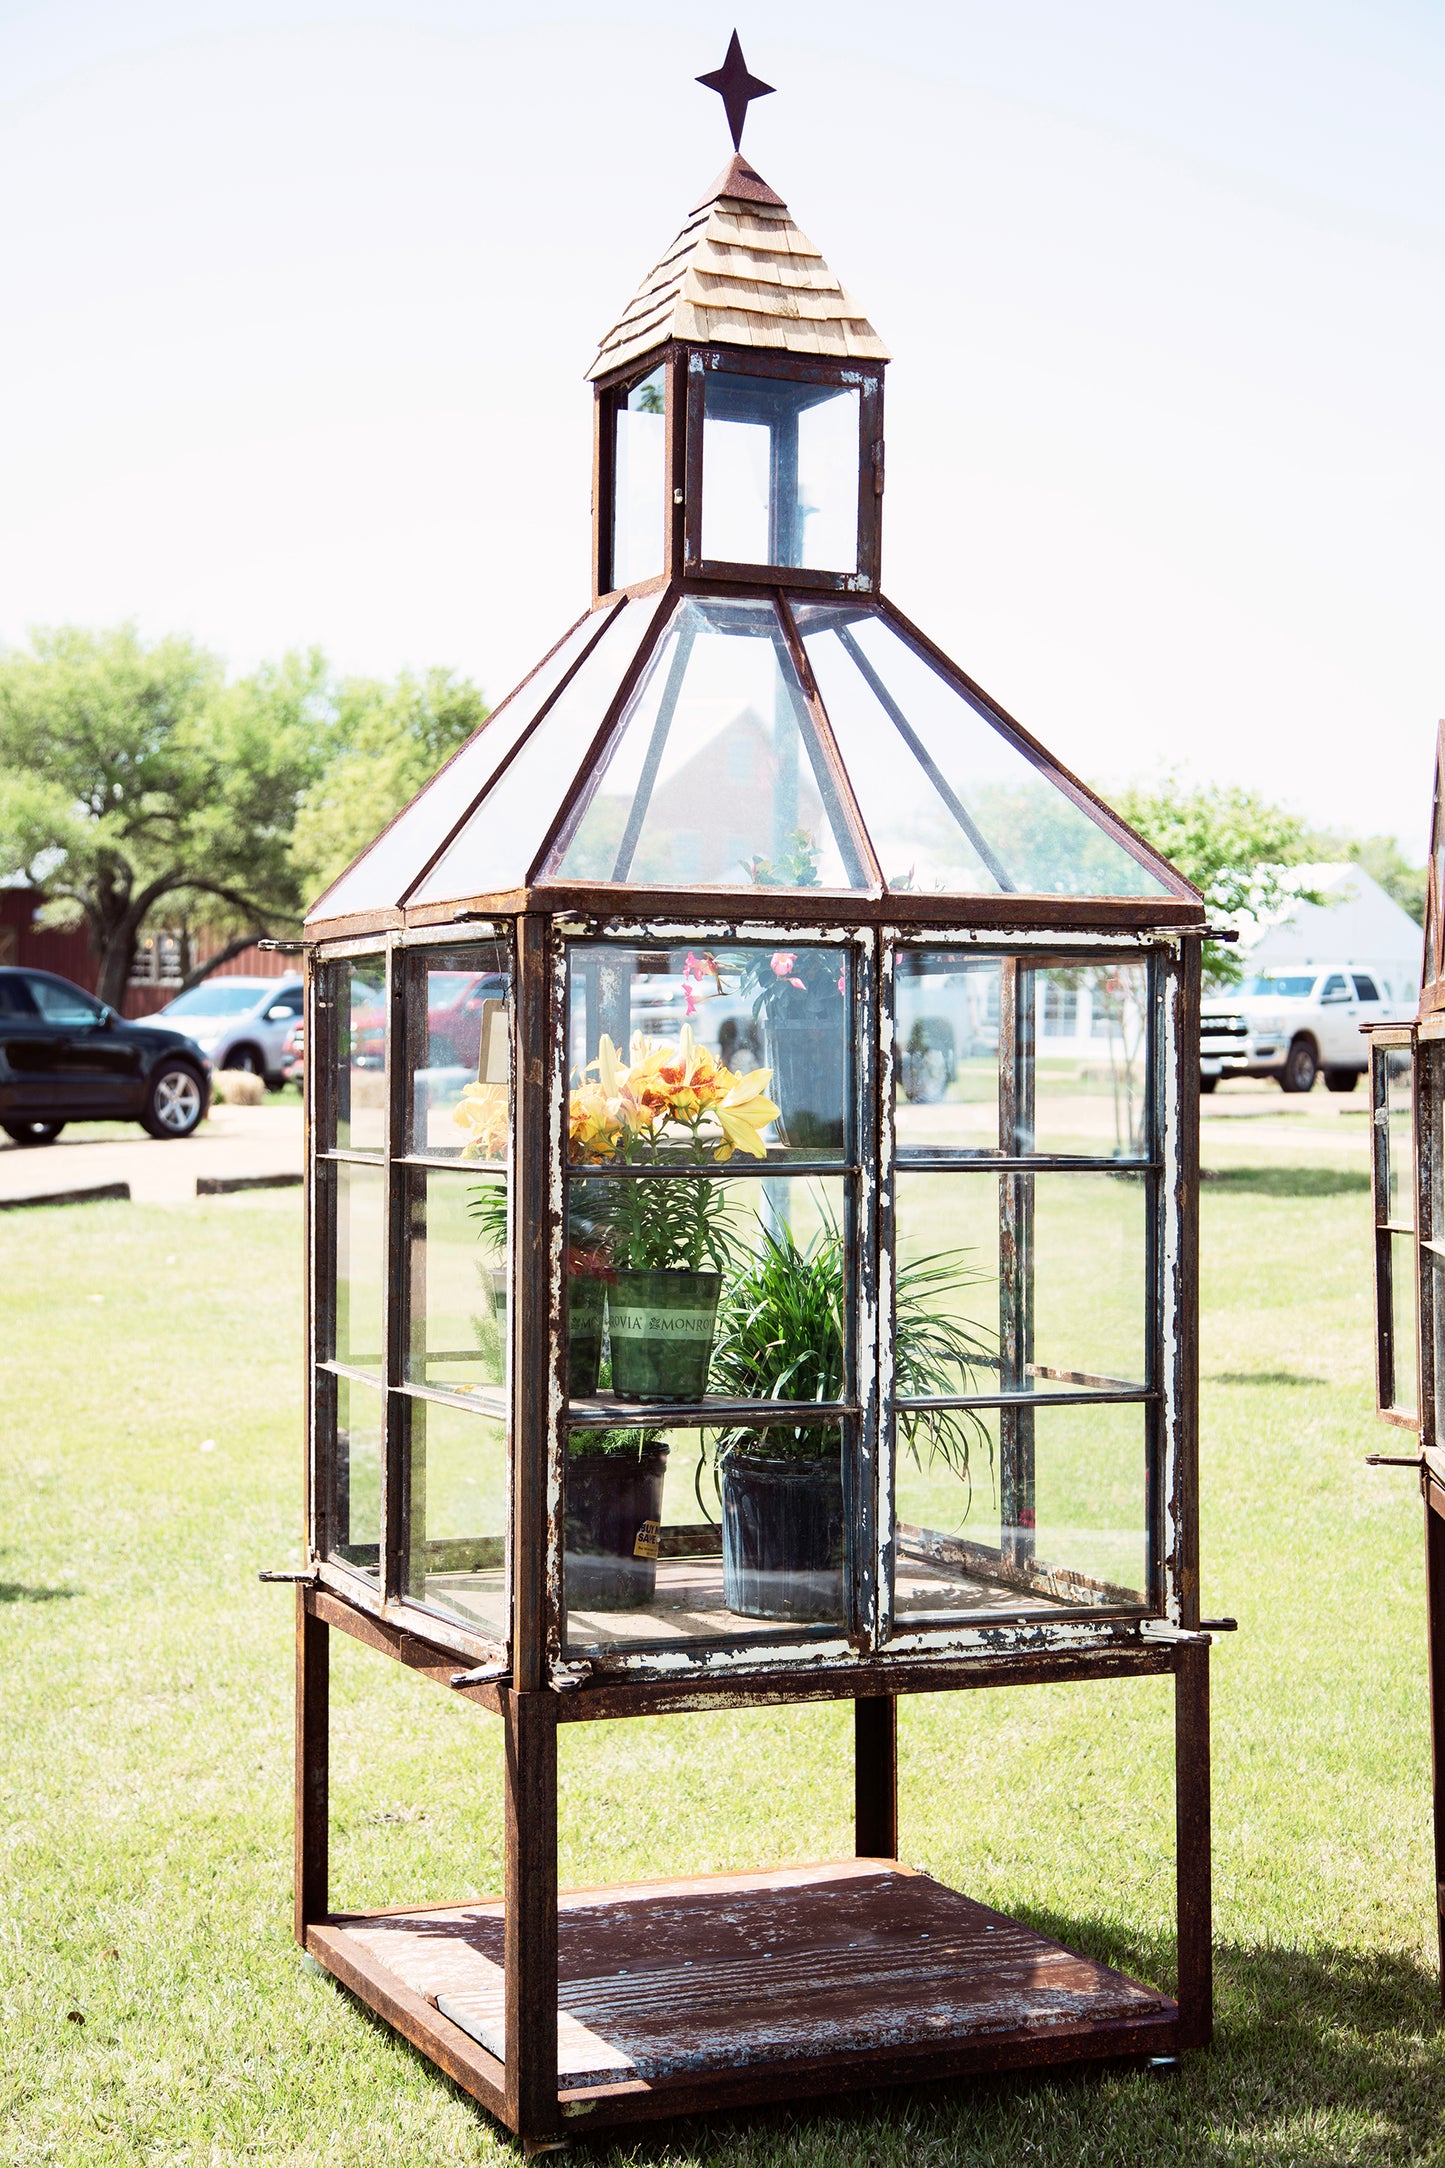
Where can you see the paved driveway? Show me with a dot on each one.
(233, 1143)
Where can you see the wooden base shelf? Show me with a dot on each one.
(717, 1991)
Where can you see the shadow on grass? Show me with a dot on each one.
(1320, 2055)
(17, 1592)
(1261, 1377)
(1287, 1181)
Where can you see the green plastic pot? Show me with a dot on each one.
(662, 1326)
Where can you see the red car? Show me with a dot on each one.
(456, 1000)
(293, 1054)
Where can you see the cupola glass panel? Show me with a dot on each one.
(715, 776)
(780, 472)
(639, 447)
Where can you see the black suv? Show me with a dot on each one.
(65, 1057)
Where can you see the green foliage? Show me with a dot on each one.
(780, 1337)
(132, 775)
(1229, 842)
(1382, 858)
(391, 739)
(617, 1444)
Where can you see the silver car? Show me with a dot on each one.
(239, 1023)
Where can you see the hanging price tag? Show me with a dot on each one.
(649, 1537)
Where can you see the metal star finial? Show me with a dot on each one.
(736, 88)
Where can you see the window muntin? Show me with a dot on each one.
(780, 472)
(639, 458)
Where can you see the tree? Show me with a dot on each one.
(390, 740)
(1382, 858)
(132, 775)
(1231, 843)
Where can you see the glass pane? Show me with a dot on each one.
(459, 1051)
(457, 1546)
(1091, 1065)
(713, 777)
(1404, 1307)
(383, 874)
(669, 1540)
(458, 1321)
(1400, 1134)
(685, 1287)
(779, 1021)
(1053, 1516)
(639, 449)
(496, 847)
(1012, 820)
(355, 1476)
(923, 839)
(1068, 1313)
(358, 1041)
(945, 1055)
(360, 1265)
(780, 473)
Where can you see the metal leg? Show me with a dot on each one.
(1435, 1611)
(875, 1776)
(531, 1921)
(1192, 1847)
(313, 1684)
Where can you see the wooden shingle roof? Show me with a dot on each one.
(741, 273)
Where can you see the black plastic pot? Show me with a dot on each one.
(614, 1505)
(782, 1536)
(586, 1304)
(808, 1054)
(661, 1327)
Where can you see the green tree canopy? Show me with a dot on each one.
(391, 739)
(1231, 843)
(138, 785)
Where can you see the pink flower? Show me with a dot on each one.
(840, 981)
(783, 963)
(689, 999)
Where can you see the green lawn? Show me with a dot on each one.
(149, 1457)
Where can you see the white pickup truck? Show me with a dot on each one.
(1295, 1020)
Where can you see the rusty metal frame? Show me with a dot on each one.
(1383, 1042)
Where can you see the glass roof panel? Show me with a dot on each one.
(497, 845)
(916, 835)
(385, 870)
(973, 811)
(714, 777)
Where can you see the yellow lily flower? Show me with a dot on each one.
(744, 1113)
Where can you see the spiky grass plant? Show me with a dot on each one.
(780, 1337)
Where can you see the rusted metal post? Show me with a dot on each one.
(1192, 1846)
(1017, 998)
(1435, 1614)
(875, 1776)
(313, 1773)
(531, 1912)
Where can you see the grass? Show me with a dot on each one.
(149, 1466)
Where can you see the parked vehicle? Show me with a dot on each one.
(65, 1057)
(1295, 1021)
(293, 1054)
(240, 1023)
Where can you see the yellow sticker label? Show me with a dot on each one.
(648, 1538)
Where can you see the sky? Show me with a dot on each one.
(298, 301)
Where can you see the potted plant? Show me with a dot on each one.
(613, 1517)
(672, 1106)
(781, 1487)
(482, 1111)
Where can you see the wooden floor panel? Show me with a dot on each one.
(661, 1980)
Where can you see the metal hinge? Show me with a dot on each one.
(1162, 1629)
(567, 1676)
(1221, 933)
(304, 1576)
(287, 948)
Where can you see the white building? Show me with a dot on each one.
(1358, 924)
